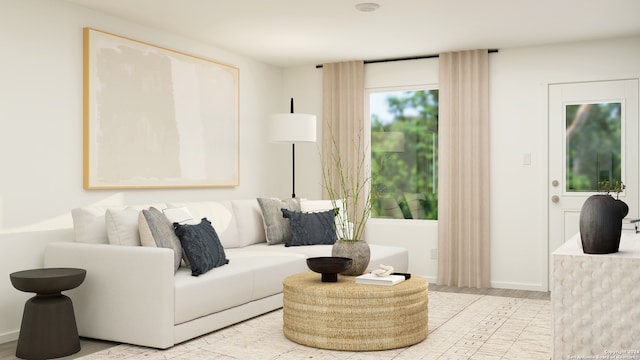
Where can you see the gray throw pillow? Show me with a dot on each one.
(276, 227)
(157, 231)
(316, 228)
(202, 246)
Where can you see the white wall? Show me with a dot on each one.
(41, 131)
(519, 125)
(518, 115)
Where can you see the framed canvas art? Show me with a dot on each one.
(157, 118)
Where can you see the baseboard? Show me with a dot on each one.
(9, 336)
(517, 286)
(502, 285)
(430, 279)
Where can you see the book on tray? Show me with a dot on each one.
(372, 279)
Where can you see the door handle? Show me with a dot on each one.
(555, 199)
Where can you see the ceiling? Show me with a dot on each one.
(288, 33)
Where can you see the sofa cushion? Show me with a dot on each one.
(221, 215)
(89, 222)
(276, 227)
(268, 269)
(315, 228)
(219, 289)
(249, 221)
(307, 205)
(157, 231)
(202, 246)
(122, 226)
(397, 257)
(306, 251)
(180, 215)
(89, 225)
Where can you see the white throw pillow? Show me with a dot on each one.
(89, 225)
(122, 226)
(248, 217)
(180, 215)
(307, 205)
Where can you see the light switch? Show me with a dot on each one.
(526, 159)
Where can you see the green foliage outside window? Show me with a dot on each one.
(594, 145)
(404, 154)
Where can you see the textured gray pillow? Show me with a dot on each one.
(276, 227)
(157, 231)
(316, 228)
(202, 246)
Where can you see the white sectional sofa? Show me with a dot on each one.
(132, 294)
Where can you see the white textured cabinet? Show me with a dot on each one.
(595, 300)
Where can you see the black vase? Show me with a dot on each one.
(601, 224)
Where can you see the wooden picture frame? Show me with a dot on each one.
(157, 118)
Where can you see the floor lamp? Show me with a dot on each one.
(290, 129)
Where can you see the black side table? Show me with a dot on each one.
(48, 323)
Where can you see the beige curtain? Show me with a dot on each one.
(343, 126)
(463, 174)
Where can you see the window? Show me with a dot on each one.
(593, 145)
(404, 153)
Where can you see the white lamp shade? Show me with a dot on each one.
(292, 128)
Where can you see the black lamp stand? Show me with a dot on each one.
(293, 162)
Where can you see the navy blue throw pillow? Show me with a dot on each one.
(314, 228)
(201, 245)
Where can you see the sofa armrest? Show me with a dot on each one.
(127, 295)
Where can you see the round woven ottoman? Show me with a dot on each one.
(355, 317)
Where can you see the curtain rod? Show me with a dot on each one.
(406, 58)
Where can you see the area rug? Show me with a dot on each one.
(461, 326)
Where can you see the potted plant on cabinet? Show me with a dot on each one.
(601, 219)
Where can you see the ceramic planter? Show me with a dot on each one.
(357, 250)
(601, 224)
